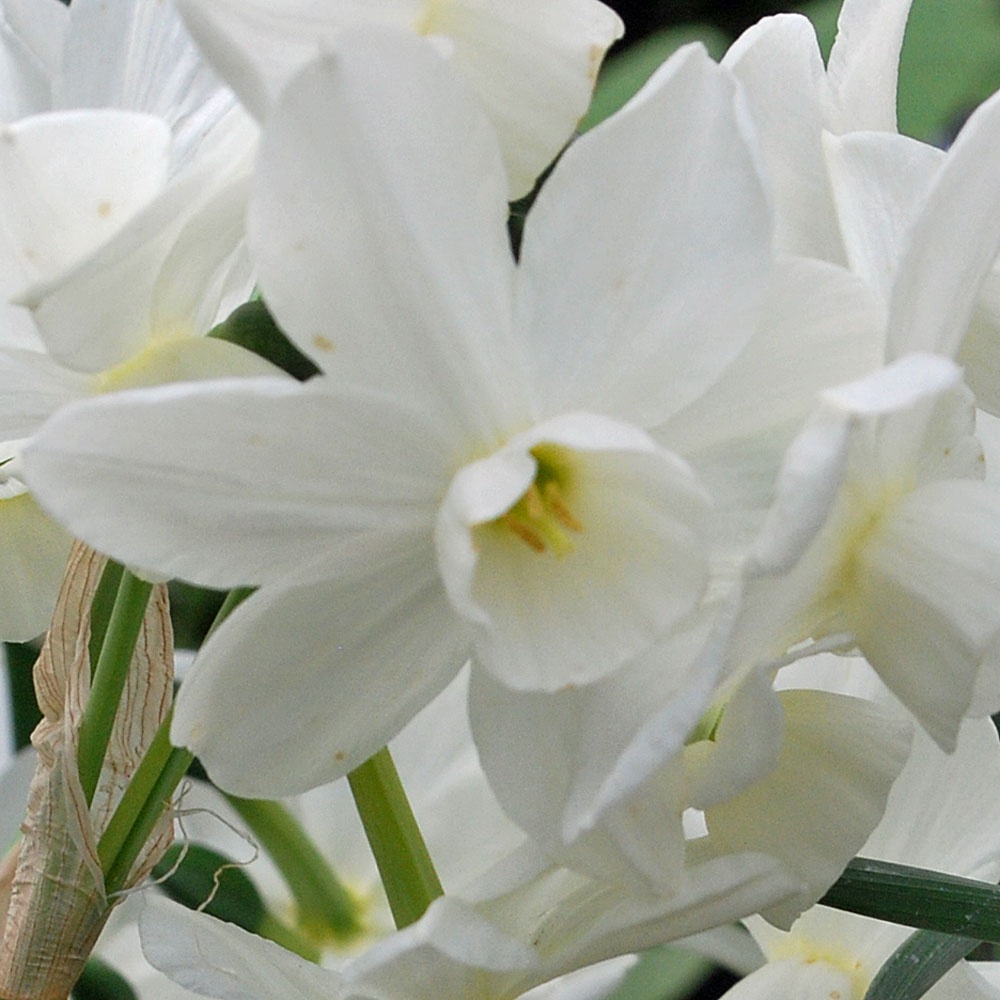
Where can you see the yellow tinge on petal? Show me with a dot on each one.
(57, 902)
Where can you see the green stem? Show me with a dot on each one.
(407, 871)
(109, 678)
(324, 905)
(152, 786)
(101, 607)
(141, 818)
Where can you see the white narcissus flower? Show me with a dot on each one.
(473, 474)
(120, 262)
(531, 65)
(884, 534)
(942, 814)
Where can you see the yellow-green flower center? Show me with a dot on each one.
(542, 518)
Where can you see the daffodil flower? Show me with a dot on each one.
(474, 475)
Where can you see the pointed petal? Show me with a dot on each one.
(863, 65)
(384, 262)
(952, 245)
(513, 53)
(781, 69)
(346, 654)
(632, 319)
(531, 65)
(256, 498)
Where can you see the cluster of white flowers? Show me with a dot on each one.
(601, 534)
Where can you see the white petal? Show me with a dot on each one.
(979, 354)
(286, 472)
(926, 611)
(151, 64)
(220, 960)
(605, 795)
(863, 65)
(259, 45)
(41, 26)
(55, 212)
(879, 183)
(646, 253)
(952, 245)
(386, 263)
(632, 566)
(921, 825)
(33, 554)
(792, 979)
(533, 66)
(33, 388)
(24, 82)
(781, 69)
(826, 794)
(157, 276)
(821, 326)
(336, 662)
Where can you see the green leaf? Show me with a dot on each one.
(917, 964)
(25, 712)
(236, 901)
(100, 982)
(624, 73)
(253, 327)
(664, 974)
(915, 897)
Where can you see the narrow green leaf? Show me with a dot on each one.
(917, 964)
(253, 327)
(915, 897)
(25, 712)
(100, 982)
(664, 973)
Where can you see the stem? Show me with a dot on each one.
(407, 871)
(146, 815)
(109, 678)
(324, 904)
(101, 607)
(153, 784)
